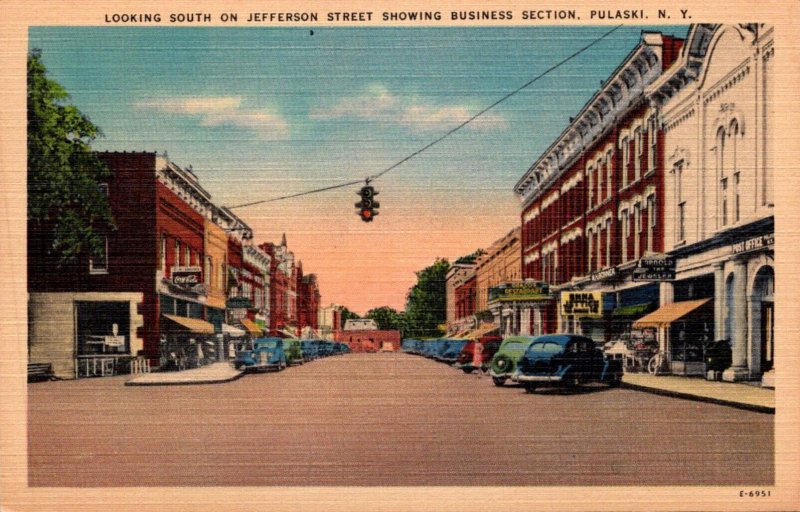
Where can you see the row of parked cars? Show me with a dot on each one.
(533, 361)
(262, 354)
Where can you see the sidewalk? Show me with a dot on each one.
(211, 374)
(743, 396)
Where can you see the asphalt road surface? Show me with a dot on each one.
(384, 420)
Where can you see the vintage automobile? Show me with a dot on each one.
(264, 354)
(504, 362)
(567, 360)
(465, 359)
(451, 351)
(310, 349)
(293, 350)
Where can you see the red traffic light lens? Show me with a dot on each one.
(366, 214)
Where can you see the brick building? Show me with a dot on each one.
(593, 204)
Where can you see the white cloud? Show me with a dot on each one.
(380, 104)
(222, 111)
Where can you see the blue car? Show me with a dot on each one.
(265, 354)
(566, 360)
(310, 349)
(452, 350)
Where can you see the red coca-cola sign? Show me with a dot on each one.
(187, 276)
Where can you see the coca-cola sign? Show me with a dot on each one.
(187, 277)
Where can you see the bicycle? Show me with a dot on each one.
(657, 363)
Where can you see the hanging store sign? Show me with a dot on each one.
(238, 303)
(186, 277)
(603, 274)
(657, 267)
(524, 290)
(583, 304)
(753, 244)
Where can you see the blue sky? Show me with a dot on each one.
(265, 112)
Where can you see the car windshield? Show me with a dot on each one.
(546, 347)
(513, 345)
(267, 344)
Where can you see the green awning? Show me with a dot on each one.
(632, 310)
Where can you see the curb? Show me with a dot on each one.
(186, 383)
(697, 398)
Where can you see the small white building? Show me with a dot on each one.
(360, 324)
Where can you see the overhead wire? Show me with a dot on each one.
(447, 134)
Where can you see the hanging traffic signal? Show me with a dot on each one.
(368, 206)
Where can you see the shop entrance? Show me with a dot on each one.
(767, 335)
(763, 317)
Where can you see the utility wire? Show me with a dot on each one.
(446, 135)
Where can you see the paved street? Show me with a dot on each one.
(384, 419)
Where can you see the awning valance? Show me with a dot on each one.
(669, 313)
(192, 324)
(632, 310)
(482, 330)
(251, 327)
(233, 331)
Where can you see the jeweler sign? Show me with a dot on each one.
(585, 304)
(655, 268)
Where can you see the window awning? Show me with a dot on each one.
(233, 331)
(669, 313)
(482, 330)
(192, 324)
(251, 327)
(632, 310)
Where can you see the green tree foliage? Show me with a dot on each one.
(346, 315)
(470, 258)
(387, 318)
(426, 301)
(65, 204)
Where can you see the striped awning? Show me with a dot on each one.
(669, 313)
(191, 324)
(251, 327)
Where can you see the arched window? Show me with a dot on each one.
(723, 179)
(733, 135)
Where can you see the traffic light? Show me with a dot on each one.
(368, 206)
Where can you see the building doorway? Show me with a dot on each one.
(763, 311)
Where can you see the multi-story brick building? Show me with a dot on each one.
(500, 264)
(461, 297)
(146, 295)
(593, 202)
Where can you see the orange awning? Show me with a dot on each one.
(482, 330)
(669, 313)
(192, 324)
(251, 327)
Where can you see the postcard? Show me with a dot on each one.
(414, 256)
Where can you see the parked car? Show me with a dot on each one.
(293, 350)
(265, 354)
(504, 362)
(565, 359)
(452, 350)
(465, 358)
(309, 348)
(325, 348)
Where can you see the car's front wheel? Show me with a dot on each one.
(499, 381)
(466, 370)
(530, 387)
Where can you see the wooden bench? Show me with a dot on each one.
(40, 371)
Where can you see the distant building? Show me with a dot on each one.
(356, 324)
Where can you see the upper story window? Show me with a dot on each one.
(637, 163)
(98, 263)
(609, 161)
(162, 260)
(652, 137)
(680, 220)
(590, 187)
(626, 158)
(651, 220)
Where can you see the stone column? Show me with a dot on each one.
(719, 302)
(739, 370)
(666, 293)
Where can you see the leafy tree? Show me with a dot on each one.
(470, 258)
(426, 301)
(346, 315)
(65, 203)
(387, 318)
